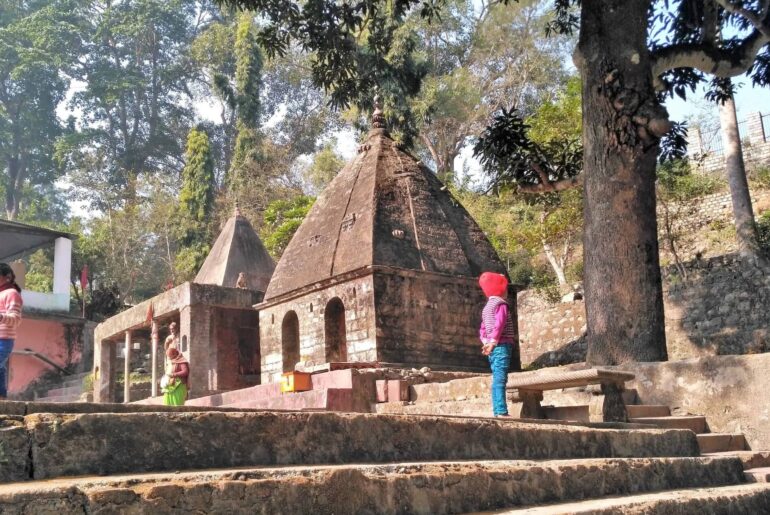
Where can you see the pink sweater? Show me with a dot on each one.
(10, 313)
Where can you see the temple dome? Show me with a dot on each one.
(384, 208)
(237, 250)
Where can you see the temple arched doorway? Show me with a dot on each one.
(290, 341)
(334, 331)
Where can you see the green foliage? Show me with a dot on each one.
(244, 97)
(38, 44)
(678, 183)
(136, 108)
(196, 202)
(761, 177)
(197, 195)
(471, 73)
(325, 167)
(282, 219)
(763, 231)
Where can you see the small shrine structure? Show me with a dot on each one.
(218, 328)
(383, 269)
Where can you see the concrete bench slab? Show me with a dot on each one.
(607, 406)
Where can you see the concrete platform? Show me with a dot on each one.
(51, 445)
(430, 488)
(746, 499)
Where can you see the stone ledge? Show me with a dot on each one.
(447, 487)
(70, 445)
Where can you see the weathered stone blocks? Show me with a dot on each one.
(15, 463)
(114, 443)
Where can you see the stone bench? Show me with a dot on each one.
(608, 406)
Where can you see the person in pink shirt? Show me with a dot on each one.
(498, 336)
(10, 318)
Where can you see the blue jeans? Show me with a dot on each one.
(6, 346)
(500, 361)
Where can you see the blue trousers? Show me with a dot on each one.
(500, 361)
(6, 346)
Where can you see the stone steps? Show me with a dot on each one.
(43, 446)
(430, 488)
(758, 475)
(647, 410)
(745, 499)
(696, 424)
(750, 459)
(721, 442)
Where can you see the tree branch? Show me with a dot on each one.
(709, 58)
(549, 186)
(757, 20)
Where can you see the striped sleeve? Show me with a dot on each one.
(12, 315)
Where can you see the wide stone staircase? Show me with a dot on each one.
(90, 458)
(69, 390)
(471, 397)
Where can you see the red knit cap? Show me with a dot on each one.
(493, 284)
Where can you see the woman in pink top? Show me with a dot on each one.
(10, 318)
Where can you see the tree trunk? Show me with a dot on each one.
(622, 123)
(745, 229)
(558, 269)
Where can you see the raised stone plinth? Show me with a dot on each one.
(445, 487)
(70, 445)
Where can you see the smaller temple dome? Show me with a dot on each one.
(238, 252)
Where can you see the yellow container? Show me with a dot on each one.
(295, 382)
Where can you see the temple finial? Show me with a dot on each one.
(378, 120)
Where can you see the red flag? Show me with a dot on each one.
(150, 313)
(84, 278)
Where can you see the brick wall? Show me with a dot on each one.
(358, 300)
(429, 320)
(720, 308)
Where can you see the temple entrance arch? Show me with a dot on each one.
(334, 331)
(290, 341)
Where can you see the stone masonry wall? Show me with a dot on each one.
(720, 308)
(545, 327)
(358, 300)
(429, 320)
(704, 210)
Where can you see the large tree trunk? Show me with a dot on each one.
(745, 229)
(622, 123)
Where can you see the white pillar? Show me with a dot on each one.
(127, 370)
(62, 265)
(154, 359)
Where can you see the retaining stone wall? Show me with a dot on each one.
(702, 211)
(720, 308)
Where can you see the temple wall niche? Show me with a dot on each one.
(358, 302)
(236, 336)
(443, 335)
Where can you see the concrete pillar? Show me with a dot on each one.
(104, 371)
(127, 370)
(154, 358)
(694, 142)
(756, 132)
(199, 346)
(62, 265)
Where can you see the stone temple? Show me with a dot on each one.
(383, 269)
